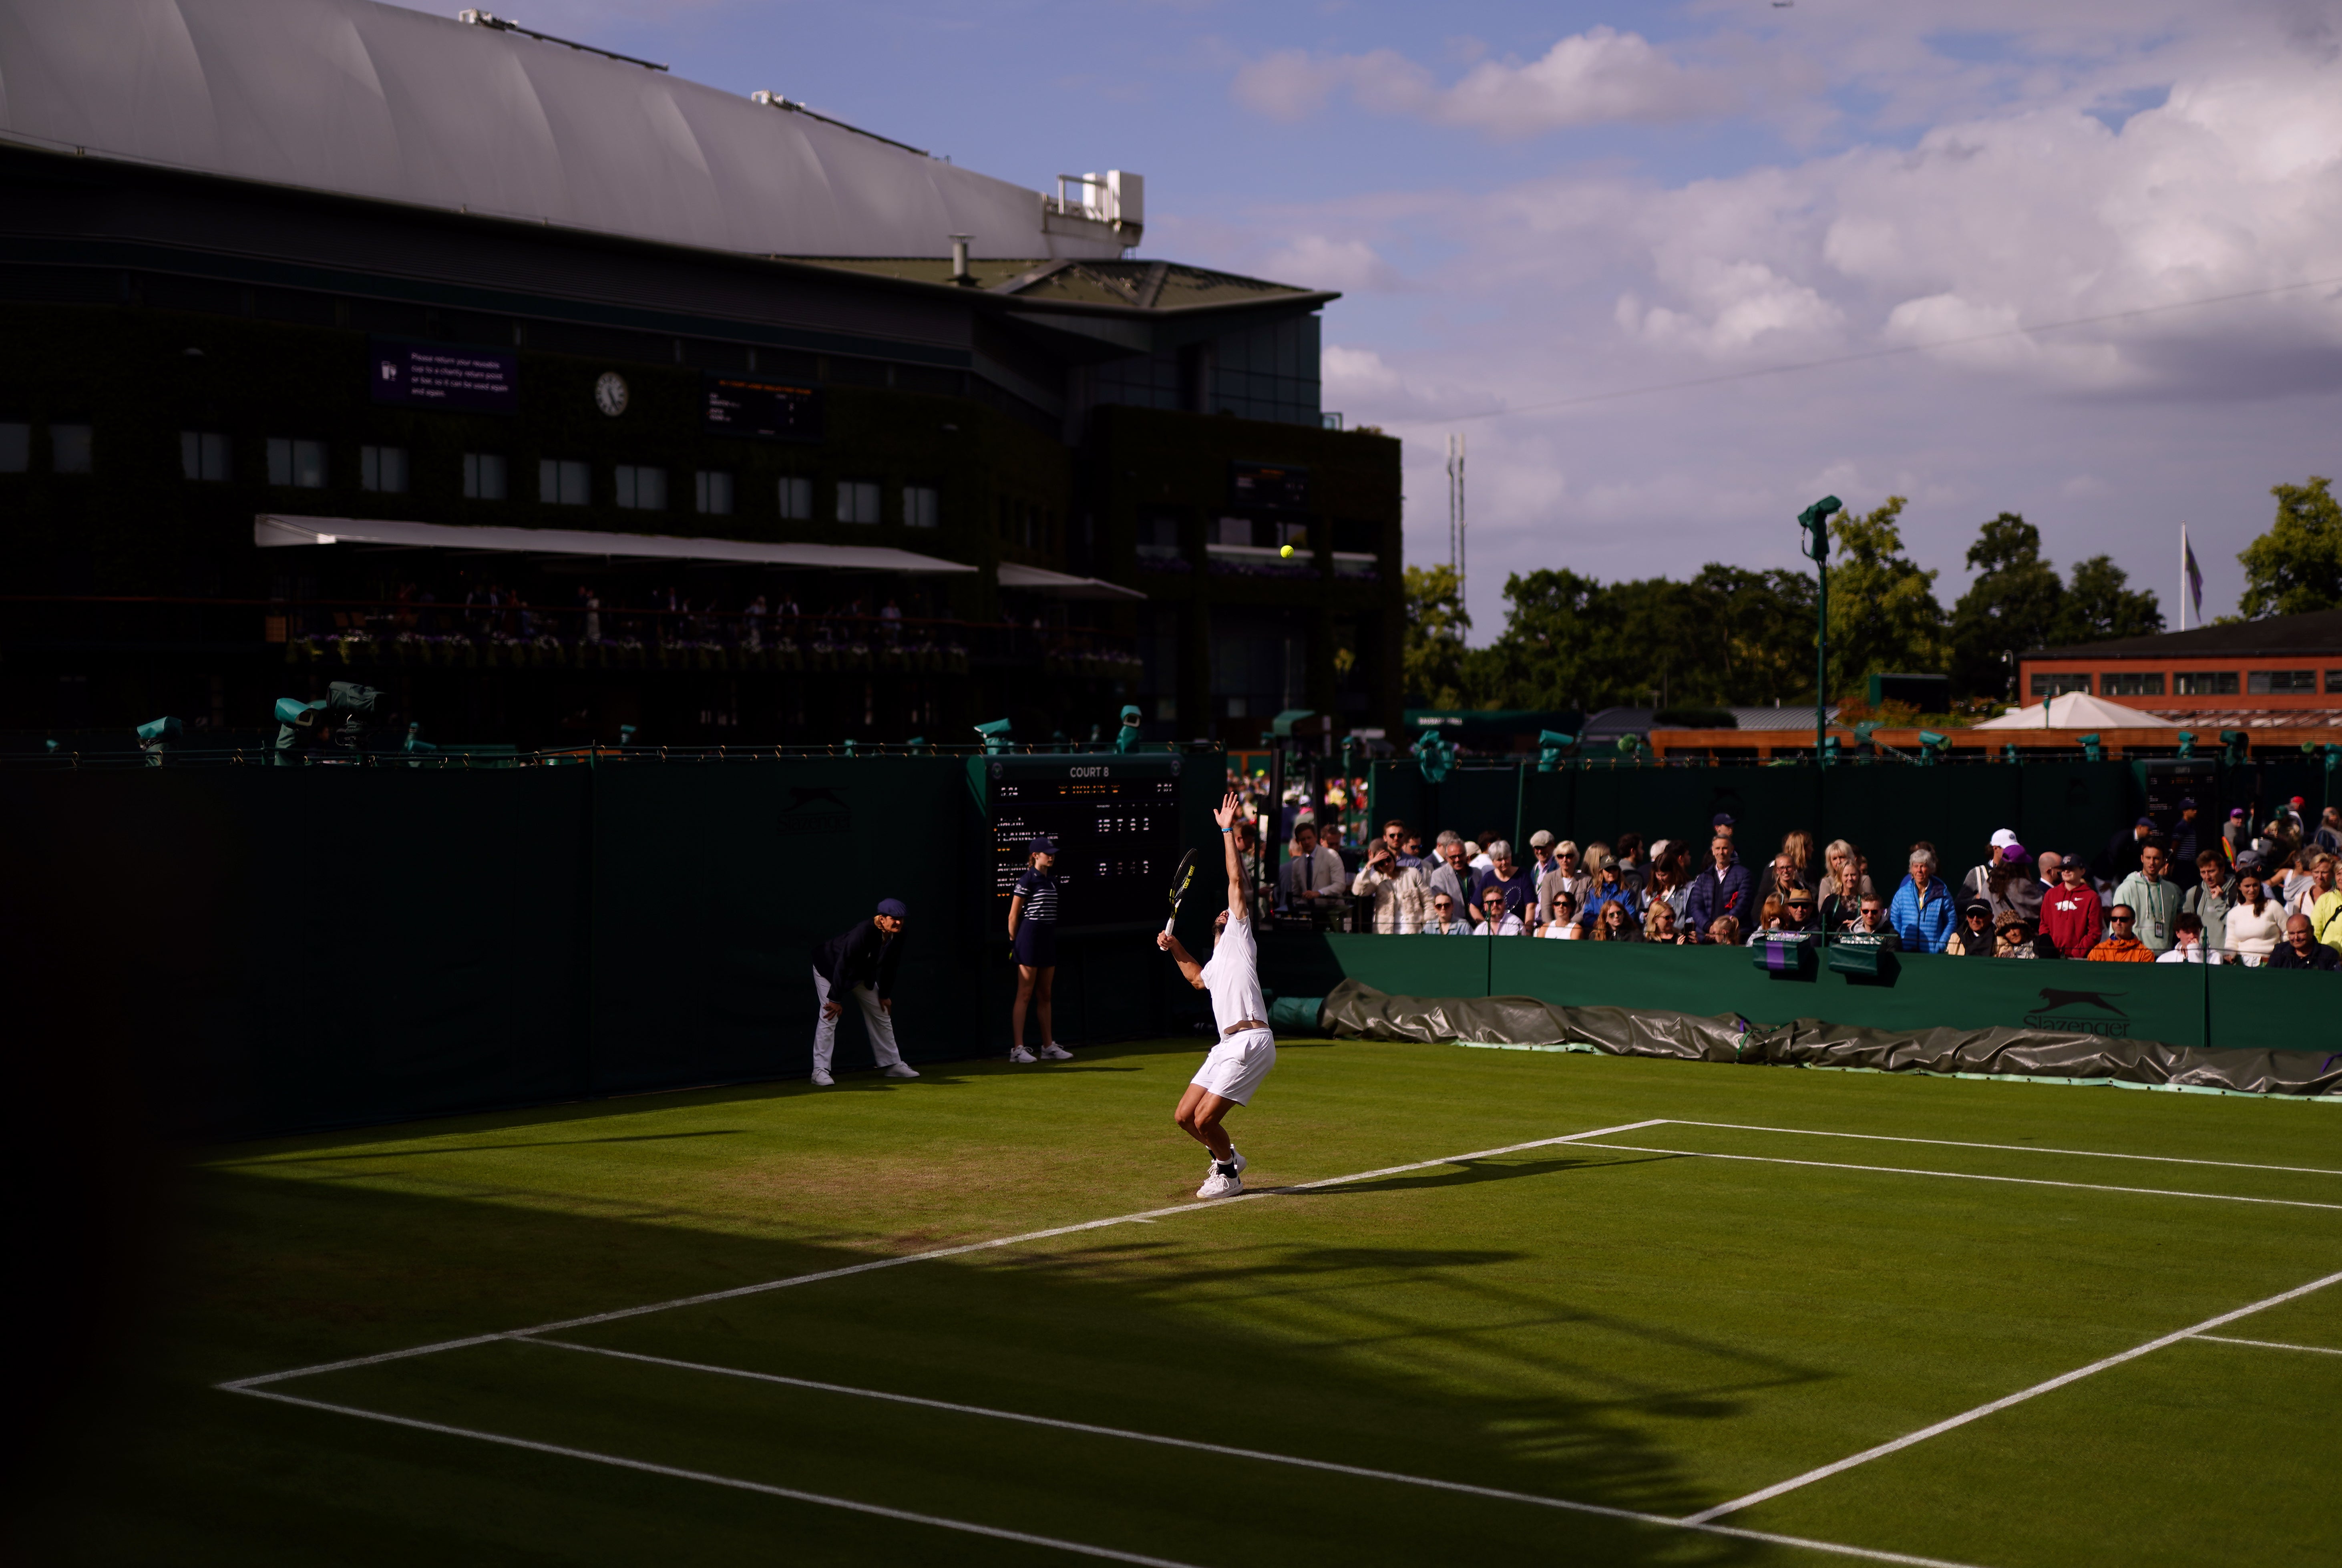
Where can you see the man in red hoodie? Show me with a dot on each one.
(2072, 916)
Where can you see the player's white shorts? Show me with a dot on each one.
(1237, 1065)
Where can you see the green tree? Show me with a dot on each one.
(1431, 661)
(2296, 566)
(2011, 606)
(1883, 614)
(2099, 606)
(1763, 651)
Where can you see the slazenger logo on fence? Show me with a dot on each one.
(2060, 1010)
(815, 810)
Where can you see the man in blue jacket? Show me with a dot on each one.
(1720, 888)
(1922, 911)
(861, 960)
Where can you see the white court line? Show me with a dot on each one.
(1969, 1176)
(1867, 1455)
(2271, 1344)
(2014, 1148)
(792, 1494)
(245, 1384)
(1628, 1515)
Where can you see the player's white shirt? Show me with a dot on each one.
(1233, 977)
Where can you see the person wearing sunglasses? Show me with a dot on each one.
(2121, 945)
(1444, 921)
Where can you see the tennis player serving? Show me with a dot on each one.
(1245, 1051)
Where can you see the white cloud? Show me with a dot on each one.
(1316, 261)
(1594, 77)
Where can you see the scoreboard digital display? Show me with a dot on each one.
(1115, 820)
(769, 409)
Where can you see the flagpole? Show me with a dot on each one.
(2183, 576)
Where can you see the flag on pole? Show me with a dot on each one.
(2192, 587)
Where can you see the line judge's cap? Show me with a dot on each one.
(1044, 844)
(894, 907)
(1540, 840)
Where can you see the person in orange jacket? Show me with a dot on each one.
(2120, 946)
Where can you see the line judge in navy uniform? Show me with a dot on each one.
(861, 960)
(1033, 936)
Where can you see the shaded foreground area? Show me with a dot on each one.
(1618, 1322)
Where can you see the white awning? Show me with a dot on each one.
(271, 530)
(1059, 585)
(2076, 711)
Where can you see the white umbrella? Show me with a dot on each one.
(2076, 711)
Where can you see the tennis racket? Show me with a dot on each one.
(1181, 880)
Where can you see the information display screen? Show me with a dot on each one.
(452, 376)
(1115, 820)
(772, 410)
(1274, 487)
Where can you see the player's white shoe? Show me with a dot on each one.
(1019, 1054)
(1052, 1052)
(822, 1080)
(902, 1070)
(1226, 1179)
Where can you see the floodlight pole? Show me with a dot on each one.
(1814, 520)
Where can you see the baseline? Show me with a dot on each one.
(710, 1478)
(246, 1385)
(1970, 1176)
(2012, 1148)
(2195, 1331)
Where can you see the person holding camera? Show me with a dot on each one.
(1401, 897)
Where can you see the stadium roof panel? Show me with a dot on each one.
(270, 530)
(1116, 285)
(2318, 633)
(360, 99)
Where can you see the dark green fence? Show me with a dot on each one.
(2223, 1007)
(275, 949)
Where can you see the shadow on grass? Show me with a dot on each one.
(1466, 1174)
(284, 1272)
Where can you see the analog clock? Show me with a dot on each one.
(610, 394)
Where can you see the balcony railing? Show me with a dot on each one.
(390, 633)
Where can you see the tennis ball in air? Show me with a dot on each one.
(1287, 552)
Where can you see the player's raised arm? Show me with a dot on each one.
(1230, 810)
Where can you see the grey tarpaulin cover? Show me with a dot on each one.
(1361, 1012)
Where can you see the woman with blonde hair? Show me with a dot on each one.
(1844, 886)
(1723, 931)
(1597, 856)
(1798, 845)
(1659, 924)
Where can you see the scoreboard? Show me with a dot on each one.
(1115, 820)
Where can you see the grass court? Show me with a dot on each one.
(1634, 1346)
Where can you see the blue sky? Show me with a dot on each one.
(1530, 205)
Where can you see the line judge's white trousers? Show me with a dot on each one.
(825, 1027)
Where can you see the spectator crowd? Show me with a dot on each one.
(2191, 895)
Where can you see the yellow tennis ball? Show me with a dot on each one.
(1287, 552)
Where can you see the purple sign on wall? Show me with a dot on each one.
(452, 376)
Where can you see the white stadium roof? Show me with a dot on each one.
(374, 101)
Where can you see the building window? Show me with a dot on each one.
(1158, 534)
(2333, 681)
(484, 476)
(69, 448)
(383, 469)
(2130, 684)
(796, 499)
(2205, 684)
(204, 455)
(642, 489)
(857, 500)
(2058, 684)
(299, 463)
(714, 488)
(2279, 683)
(922, 507)
(561, 482)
